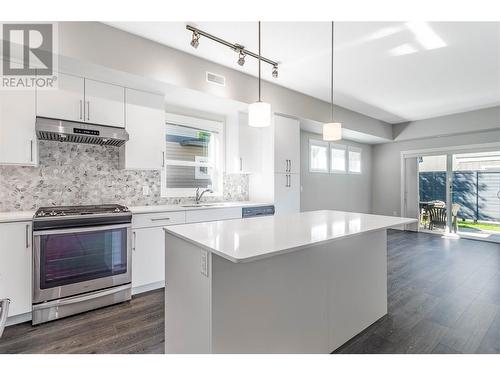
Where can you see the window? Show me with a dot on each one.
(193, 156)
(318, 156)
(328, 157)
(338, 159)
(354, 160)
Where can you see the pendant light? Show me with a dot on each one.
(332, 131)
(259, 113)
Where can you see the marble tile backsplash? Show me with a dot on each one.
(74, 174)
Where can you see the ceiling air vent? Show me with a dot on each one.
(216, 79)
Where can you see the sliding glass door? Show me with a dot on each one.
(458, 194)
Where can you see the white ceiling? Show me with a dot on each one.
(388, 70)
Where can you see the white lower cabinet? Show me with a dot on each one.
(16, 265)
(148, 256)
(286, 193)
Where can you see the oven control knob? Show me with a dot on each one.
(53, 213)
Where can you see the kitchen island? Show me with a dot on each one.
(297, 283)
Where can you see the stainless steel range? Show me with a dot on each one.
(81, 259)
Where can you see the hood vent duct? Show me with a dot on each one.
(78, 132)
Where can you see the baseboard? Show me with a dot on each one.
(16, 319)
(148, 287)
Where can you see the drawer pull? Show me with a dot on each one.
(160, 218)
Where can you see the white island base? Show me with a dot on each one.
(310, 299)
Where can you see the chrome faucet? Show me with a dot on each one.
(199, 195)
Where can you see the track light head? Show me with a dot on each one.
(275, 71)
(195, 40)
(241, 58)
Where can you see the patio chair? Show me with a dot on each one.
(437, 217)
(455, 207)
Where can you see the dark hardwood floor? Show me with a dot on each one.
(444, 297)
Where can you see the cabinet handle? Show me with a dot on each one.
(241, 164)
(289, 165)
(88, 110)
(289, 180)
(31, 150)
(27, 236)
(286, 183)
(160, 218)
(81, 109)
(163, 159)
(133, 240)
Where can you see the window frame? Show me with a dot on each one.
(336, 146)
(358, 150)
(319, 143)
(204, 125)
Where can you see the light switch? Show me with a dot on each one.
(145, 190)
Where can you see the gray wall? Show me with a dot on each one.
(386, 171)
(105, 46)
(345, 192)
(459, 123)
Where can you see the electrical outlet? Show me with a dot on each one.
(394, 213)
(145, 190)
(204, 262)
(239, 189)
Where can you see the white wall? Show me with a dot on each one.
(345, 192)
(386, 171)
(101, 45)
(459, 123)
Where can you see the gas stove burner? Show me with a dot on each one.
(57, 211)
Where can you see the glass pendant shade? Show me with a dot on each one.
(259, 115)
(332, 131)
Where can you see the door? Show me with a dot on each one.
(250, 148)
(287, 145)
(17, 127)
(104, 104)
(66, 102)
(286, 193)
(15, 266)
(146, 127)
(76, 260)
(148, 256)
(411, 194)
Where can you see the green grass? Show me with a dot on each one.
(479, 226)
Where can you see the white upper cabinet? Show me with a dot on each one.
(104, 104)
(17, 127)
(243, 146)
(286, 145)
(83, 100)
(145, 124)
(16, 257)
(66, 102)
(250, 159)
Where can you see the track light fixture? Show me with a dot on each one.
(240, 50)
(275, 71)
(241, 58)
(195, 40)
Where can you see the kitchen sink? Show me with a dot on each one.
(202, 205)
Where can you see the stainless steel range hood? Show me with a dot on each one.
(78, 132)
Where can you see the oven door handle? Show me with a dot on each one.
(86, 297)
(81, 229)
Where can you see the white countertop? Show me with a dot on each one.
(203, 206)
(243, 240)
(15, 216)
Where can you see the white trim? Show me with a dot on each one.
(451, 149)
(194, 122)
